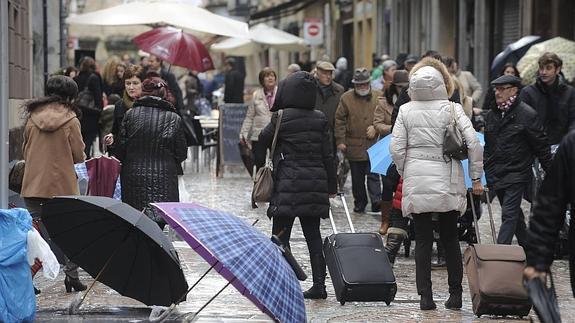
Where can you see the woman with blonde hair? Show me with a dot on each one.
(433, 184)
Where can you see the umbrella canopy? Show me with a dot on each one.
(242, 255)
(564, 48)
(513, 53)
(90, 230)
(176, 47)
(158, 12)
(261, 36)
(380, 158)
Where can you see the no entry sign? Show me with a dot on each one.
(313, 31)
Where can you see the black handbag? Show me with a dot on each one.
(16, 176)
(85, 101)
(454, 145)
(264, 182)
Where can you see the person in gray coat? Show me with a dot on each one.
(432, 185)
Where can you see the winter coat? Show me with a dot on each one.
(52, 145)
(398, 195)
(327, 100)
(512, 141)
(234, 87)
(557, 190)
(352, 118)
(257, 117)
(555, 106)
(151, 145)
(382, 118)
(469, 85)
(303, 161)
(430, 184)
(93, 82)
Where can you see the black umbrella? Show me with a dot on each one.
(247, 156)
(128, 251)
(513, 53)
(544, 299)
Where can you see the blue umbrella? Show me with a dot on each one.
(465, 164)
(379, 155)
(241, 254)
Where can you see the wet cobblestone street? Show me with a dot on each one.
(232, 194)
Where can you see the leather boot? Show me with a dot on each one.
(73, 283)
(318, 269)
(385, 209)
(394, 241)
(426, 302)
(454, 301)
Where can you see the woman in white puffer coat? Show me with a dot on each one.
(433, 186)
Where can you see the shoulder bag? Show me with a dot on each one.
(16, 176)
(264, 182)
(454, 145)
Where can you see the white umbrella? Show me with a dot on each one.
(156, 12)
(261, 36)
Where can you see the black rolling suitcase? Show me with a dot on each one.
(358, 265)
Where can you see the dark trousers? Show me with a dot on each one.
(512, 218)
(88, 139)
(309, 226)
(423, 246)
(34, 208)
(260, 162)
(359, 171)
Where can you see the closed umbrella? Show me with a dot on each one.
(176, 47)
(249, 260)
(544, 299)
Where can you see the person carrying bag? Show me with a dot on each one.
(264, 182)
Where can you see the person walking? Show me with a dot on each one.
(343, 75)
(258, 114)
(304, 170)
(89, 79)
(433, 186)
(328, 96)
(514, 136)
(552, 98)
(156, 66)
(234, 83)
(151, 146)
(52, 145)
(557, 191)
(354, 134)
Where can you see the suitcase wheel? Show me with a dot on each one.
(387, 303)
(342, 302)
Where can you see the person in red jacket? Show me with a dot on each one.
(398, 230)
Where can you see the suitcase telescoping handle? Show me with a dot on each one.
(331, 220)
(489, 211)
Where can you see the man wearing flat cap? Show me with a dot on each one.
(514, 136)
(354, 134)
(329, 93)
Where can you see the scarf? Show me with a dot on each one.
(270, 97)
(128, 101)
(505, 106)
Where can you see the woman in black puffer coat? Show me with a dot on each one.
(151, 147)
(304, 169)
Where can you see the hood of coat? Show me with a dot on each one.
(427, 84)
(51, 117)
(296, 91)
(443, 77)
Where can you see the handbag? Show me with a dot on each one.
(85, 101)
(454, 145)
(264, 182)
(16, 176)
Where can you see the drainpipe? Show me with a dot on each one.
(4, 125)
(45, 40)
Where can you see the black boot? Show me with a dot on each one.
(36, 290)
(73, 283)
(394, 241)
(317, 291)
(426, 302)
(454, 302)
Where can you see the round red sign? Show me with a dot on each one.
(313, 30)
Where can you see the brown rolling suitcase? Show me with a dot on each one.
(495, 275)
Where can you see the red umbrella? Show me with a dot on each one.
(175, 47)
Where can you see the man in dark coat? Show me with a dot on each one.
(552, 98)
(557, 190)
(328, 95)
(304, 169)
(234, 83)
(514, 136)
(156, 67)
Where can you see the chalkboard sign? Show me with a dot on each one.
(231, 118)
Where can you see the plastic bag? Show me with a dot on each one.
(17, 299)
(39, 248)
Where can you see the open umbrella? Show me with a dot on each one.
(162, 12)
(513, 53)
(564, 48)
(120, 245)
(379, 155)
(176, 47)
(249, 260)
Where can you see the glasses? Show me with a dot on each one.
(502, 88)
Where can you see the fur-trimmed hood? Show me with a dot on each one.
(430, 80)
